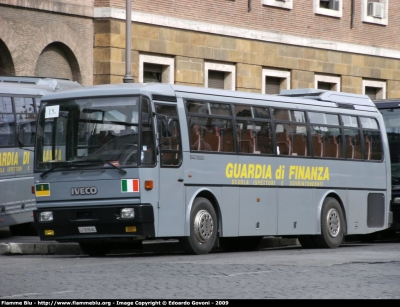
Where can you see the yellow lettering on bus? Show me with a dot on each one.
(229, 170)
(292, 172)
(259, 171)
(236, 170)
(250, 171)
(15, 159)
(326, 174)
(300, 172)
(268, 172)
(320, 170)
(314, 173)
(243, 173)
(307, 174)
(9, 158)
(27, 157)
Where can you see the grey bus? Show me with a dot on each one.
(390, 109)
(208, 167)
(19, 102)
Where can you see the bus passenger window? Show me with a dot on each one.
(197, 139)
(353, 144)
(212, 138)
(245, 136)
(5, 134)
(284, 144)
(171, 149)
(373, 145)
(317, 145)
(299, 145)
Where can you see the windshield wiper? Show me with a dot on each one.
(121, 170)
(68, 164)
(56, 165)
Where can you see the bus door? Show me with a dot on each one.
(171, 205)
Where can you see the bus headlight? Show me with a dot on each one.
(46, 216)
(127, 213)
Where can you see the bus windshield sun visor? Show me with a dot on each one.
(82, 163)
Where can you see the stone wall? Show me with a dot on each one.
(26, 33)
(191, 49)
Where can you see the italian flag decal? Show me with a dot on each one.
(42, 189)
(129, 185)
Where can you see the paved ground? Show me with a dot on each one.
(32, 245)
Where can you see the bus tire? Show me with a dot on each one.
(95, 249)
(332, 225)
(307, 241)
(240, 243)
(203, 228)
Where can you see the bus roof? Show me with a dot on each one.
(387, 103)
(333, 96)
(165, 91)
(49, 84)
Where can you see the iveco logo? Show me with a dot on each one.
(84, 191)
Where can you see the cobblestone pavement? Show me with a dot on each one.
(352, 271)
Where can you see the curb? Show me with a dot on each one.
(159, 246)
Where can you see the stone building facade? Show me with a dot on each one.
(47, 38)
(246, 45)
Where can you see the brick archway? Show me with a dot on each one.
(58, 61)
(6, 61)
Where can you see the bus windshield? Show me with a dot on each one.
(391, 117)
(91, 130)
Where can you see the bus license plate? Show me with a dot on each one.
(87, 229)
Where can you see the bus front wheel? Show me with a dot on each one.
(203, 228)
(332, 225)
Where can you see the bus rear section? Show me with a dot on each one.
(208, 167)
(390, 109)
(19, 101)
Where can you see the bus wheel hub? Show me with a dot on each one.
(203, 226)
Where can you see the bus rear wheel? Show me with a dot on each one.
(203, 228)
(95, 249)
(332, 225)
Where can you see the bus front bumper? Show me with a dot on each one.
(79, 224)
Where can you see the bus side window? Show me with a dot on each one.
(212, 138)
(170, 142)
(198, 142)
(353, 144)
(373, 146)
(284, 143)
(246, 137)
(7, 120)
(299, 144)
(317, 145)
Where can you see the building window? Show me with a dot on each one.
(156, 69)
(273, 81)
(375, 11)
(328, 7)
(374, 89)
(221, 76)
(330, 83)
(286, 4)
